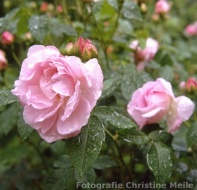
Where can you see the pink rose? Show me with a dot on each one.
(3, 60)
(7, 38)
(191, 29)
(155, 101)
(57, 92)
(162, 7)
(142, 56)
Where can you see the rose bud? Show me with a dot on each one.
(7, 38)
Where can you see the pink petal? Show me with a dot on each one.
(181, 111)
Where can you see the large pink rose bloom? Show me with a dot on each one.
(162, 7)
(155, 101)
(142, 56)
(57, 92)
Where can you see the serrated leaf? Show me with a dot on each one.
(131, 11)
(166, 72)
(103, 162)
(107, 114)
(6, 97)
(84, 149)
(159, 161)
(58, 179)
(24, 129)
(38, 26)
(192, 135)
(132, 80)
(7, 124)
(133, 136)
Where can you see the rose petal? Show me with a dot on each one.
(181, 111)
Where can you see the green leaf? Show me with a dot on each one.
(62, 28)
(166, 72)
(88, 176)
(132, 80)
(107, 114)
(110, 86)
(113, 3)
(134, 136)
(38, 26)
(24, 129)
(161, 136)
(103, 162)
(7, 124)
(131, 11)
(6, 97)
(179, 142)
(84, 149)
(192, 135)
(159, 161)
(6, 23)
(58, 179)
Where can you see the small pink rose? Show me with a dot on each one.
(155, 101)
(191, 29)
(7, 38)
(162, 7)
(3, 60)
(57, 92)
(142, 56)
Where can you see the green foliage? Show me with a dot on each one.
(159, 161)
(84, 149)
(117, 120)
(133, 80)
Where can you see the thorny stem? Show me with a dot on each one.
(119, 152)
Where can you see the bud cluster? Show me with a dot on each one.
(189, 86)
(81, 48)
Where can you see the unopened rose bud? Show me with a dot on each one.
(7, 38)
(79, 45)
(155, 17)
(189, 86)
(50, 7)
(191, 29)
(7, 4)
(28, 36)
(143, 8)
(59, 9)
(89, 51)
(69, 49)
(162, 7)
(44, 6)
(3, 61)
